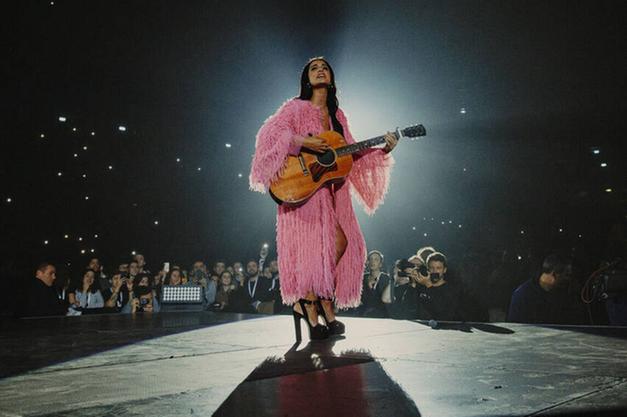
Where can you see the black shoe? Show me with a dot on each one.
(336, 327)
(317, 332)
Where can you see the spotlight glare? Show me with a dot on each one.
(199, 169)
(59, 173)
(80, 239)
(9, 199)
(413, 228)
(42, 136)
(608, 190)
(75, 155)
(73, 129)
(603, 164)
(83, 251)
(133, 253)
(178, 159)
(228, 145)
(93, 133)
(425, 234)
(62, 119)
(239, 175)
(92, 250)
(96, 236)
(122, 128)
(66, 236)
(462, 110)
(84, 175)
(561, 230)
(110, 167)
(45, 242)
(86, 197)
(596, 151)
(156, 222)
(84, 148)
(519, 257)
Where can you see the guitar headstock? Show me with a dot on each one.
(414, 131)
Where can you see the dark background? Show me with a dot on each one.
(542, 85)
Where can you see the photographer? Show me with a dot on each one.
(117, 296)
(143, 298)
(428, 294)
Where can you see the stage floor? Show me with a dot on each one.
(181, 364)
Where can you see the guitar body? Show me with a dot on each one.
(304, 174)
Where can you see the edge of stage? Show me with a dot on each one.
(233, 364)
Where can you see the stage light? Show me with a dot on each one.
(239, 175)
(228, 145)
(459, 226)
(450, 222)
(80, 239)
(133, 253)
(86, 197)
(62, 119)
(199, 169)
(178, 159)
(561, 230)
(425, 234)
(73, 129)
(42, 136)
(462, 110)
(442, 222)
(608, 190)
(59, 174)
(75, 155)
(596, 151)
(413, 228)
(96, 236)
(93, 133)
(52, 3)
(580, 236)
(464, 169)
(84, 175)
(122, 128)
(84, 148)
(156, 222)
(82, 251)
(92, 250)
(519, 257)
(45, 242)
(522, 232)
(9, 199)
(66, 236)
(181, 298)
(603, 164)
(110, 167)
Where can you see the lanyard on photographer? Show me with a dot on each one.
(254, 289)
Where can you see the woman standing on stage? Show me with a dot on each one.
(321, 250)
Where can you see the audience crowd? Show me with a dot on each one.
(423, 286)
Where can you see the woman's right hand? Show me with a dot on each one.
(316, 144)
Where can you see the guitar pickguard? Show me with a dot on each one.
(317, 170)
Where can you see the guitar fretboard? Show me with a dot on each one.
(364, 144)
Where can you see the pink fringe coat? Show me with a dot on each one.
(306, 234)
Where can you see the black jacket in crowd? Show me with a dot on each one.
(42, 300)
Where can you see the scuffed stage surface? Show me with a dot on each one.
(181, 364)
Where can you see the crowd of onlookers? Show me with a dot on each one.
(422, 286)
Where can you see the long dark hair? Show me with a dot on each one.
(306, 91)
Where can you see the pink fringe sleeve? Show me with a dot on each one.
(370, 177)
(275, 140)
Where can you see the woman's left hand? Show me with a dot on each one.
(390, 142)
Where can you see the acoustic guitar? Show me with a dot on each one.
(304, 174)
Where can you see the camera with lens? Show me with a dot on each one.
(405, 264)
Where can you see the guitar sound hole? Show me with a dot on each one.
(326, 158)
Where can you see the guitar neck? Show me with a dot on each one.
(364, 144)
